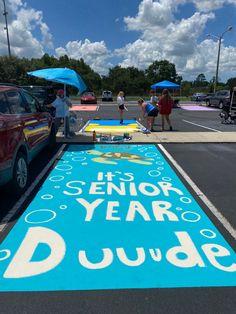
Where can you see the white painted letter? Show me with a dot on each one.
(160, 208)
(107, 260)
(120, 190)
(79, 190)
(156, 254)
(187, 248)
(89, 207)
(167, 186)
(134, 207)
(96, 188)
(213, 250)
(123, 257)
(154, 189)
(21, 265)
(111, 211)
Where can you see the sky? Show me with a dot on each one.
(135, 33)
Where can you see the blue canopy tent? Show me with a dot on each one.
(61, 75)
(165, 84)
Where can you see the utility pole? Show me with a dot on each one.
(6, 28)
(219, 38)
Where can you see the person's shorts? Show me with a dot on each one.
(153, 113)
(122, 107)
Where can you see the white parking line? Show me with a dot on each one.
(202, 126)
(19, 203)
(200, 194)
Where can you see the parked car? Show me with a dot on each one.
(208, 96)
(198, 97)
(45, 95)
(107, 95)
(88, 98)
(25, 129)
(219, 99)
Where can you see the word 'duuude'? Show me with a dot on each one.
(22, 264)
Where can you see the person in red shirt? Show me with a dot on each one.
(165, 107)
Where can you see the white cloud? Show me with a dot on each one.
(22, 22)
(210, 5)
(165, 37)
(95, 54)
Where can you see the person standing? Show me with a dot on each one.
(153, 98)
(121, 105)
(149, 111)
(62, 104)
(165, 108)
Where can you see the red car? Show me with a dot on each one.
(88, 98)
(25, 129)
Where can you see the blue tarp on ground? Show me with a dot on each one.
(165, 84)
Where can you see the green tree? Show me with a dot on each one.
(200, 80)
(162, 70)
(231, 82)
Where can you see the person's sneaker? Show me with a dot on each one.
(146, 131)
(171, 129)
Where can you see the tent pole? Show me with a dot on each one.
(65, 111)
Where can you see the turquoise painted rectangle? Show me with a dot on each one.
(114, 217)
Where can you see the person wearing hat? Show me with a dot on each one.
(62, 104)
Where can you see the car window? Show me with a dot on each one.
(4, 108)
(16, 102)
(31, 103)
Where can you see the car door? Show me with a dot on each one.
(25, 122)
(214, 99)
(42, 128)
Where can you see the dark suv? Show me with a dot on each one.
(220, 99)
(45, 95)
(25, 129)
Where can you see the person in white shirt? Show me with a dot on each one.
(121, 105)
(62, 104)
(154, 98)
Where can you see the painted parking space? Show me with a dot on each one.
(84, 108)
(112, 126)
(113, 217)
(197, 108)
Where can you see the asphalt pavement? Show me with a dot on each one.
(205, 150)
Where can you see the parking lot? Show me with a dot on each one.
(198, 217)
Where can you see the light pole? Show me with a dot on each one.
(219, 38)
(6, 28)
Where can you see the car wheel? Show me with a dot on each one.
(221, 105)
(208, 103)
(20, 174)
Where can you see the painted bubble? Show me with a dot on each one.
(40, 216)
(190, 216)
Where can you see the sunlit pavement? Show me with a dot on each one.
(119, 217)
